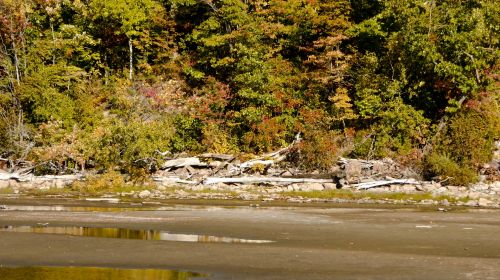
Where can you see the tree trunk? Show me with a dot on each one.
(53, 44)
(131, 53)
(16, 62)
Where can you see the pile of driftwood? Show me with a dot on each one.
(270, 168)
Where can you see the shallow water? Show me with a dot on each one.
(121, 208)
(92, 273)
(124, 233)
(309, 242)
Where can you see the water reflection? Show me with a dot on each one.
(92, 273)
(61, 208)
(125, 233)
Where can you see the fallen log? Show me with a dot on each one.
(182, 162)
(223, 157)
(256, 180)
(173, 180)
(31, 177)
(374, 184)
(253, 162)
(9, 176)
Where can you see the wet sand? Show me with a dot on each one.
(309, 243)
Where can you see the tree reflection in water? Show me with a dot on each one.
(92, 273)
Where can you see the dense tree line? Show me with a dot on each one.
(114, 84)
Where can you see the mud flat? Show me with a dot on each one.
(243, 242)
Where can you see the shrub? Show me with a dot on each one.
(109, 181)
(399, 130)
(187, 135)
(466, 143)
(124, 145)
(448, 170)
(217, 140)
(320, 149)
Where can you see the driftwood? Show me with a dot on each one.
(183, 162)
(271, 158)
(30, 177)
(173, 180)
(255, 180)
(223, 157)
(374, 184)
(254, 162)
(9, 176)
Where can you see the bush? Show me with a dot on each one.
(399, 130)
(187, 135)
(448, 170)
(109, 181)
(217, 140)
(466, 143)
(123, 144)
(320, 149)
(469, 138)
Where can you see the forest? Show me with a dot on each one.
(116, 85)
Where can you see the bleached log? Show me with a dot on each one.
(256, 180)
(224, 157)
(251, 163)
(56, 177)
(374, 184)
(182, 162)
(9, 176)
(173, 180)
(271, 158)
(31, 177)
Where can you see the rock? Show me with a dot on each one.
(59, 184)
(181, 193)
(480, 187)
(161, 188)
(394, 188)
(444, 202)
(408, 188)
(473, 195)
(344, 184)
(312, 187)
(482, 178)
(248, 196)
(471, 203)
(4, 184)
(144, 194)
(483, 202)
(379, 168)
(353, 169)
(442, 190)
(330, 186)
(427, 202)
(14, 184)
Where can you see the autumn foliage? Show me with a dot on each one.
(115, 84)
